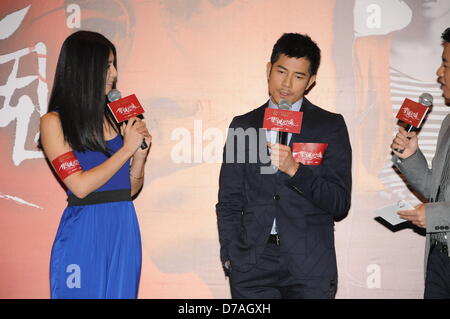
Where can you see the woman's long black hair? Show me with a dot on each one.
(78, 93)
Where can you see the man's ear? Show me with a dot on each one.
(268, 69)
(311, 82)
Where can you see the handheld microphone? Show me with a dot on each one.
(426, 99)
(282, 137)
(115, 95)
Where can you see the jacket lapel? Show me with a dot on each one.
(439, 160)
(307, 123)
(258, 116)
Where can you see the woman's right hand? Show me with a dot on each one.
(132, 139)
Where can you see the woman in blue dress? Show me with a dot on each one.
(97, 249)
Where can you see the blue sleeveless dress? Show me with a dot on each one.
(97, 249)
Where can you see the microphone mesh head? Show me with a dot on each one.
(426, 99)
(114, 95)
(284, 105)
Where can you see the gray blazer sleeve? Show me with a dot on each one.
(438, 217)
(415, 169)
(421, 178)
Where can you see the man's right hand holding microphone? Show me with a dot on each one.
(408, 142)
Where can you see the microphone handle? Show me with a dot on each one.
(282, 138)
(409, 128)
(144, 144)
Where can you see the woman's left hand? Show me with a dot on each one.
(142, 129)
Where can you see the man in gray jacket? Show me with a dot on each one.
(433, 184)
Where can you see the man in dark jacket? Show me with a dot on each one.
(276, 228)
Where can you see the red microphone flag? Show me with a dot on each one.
(412, 113)
(283, 120)
(125, 108)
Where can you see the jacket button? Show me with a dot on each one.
(446, 228)
(436, 228)
(276, 197)
(442, 227)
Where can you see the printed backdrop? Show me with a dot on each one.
(194, 65)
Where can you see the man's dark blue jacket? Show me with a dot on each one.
(305, 205)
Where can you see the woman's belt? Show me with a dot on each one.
(119, 195)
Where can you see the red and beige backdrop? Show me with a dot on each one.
(194, 65)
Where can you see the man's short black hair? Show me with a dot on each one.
(446, 35)
(295, 45)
